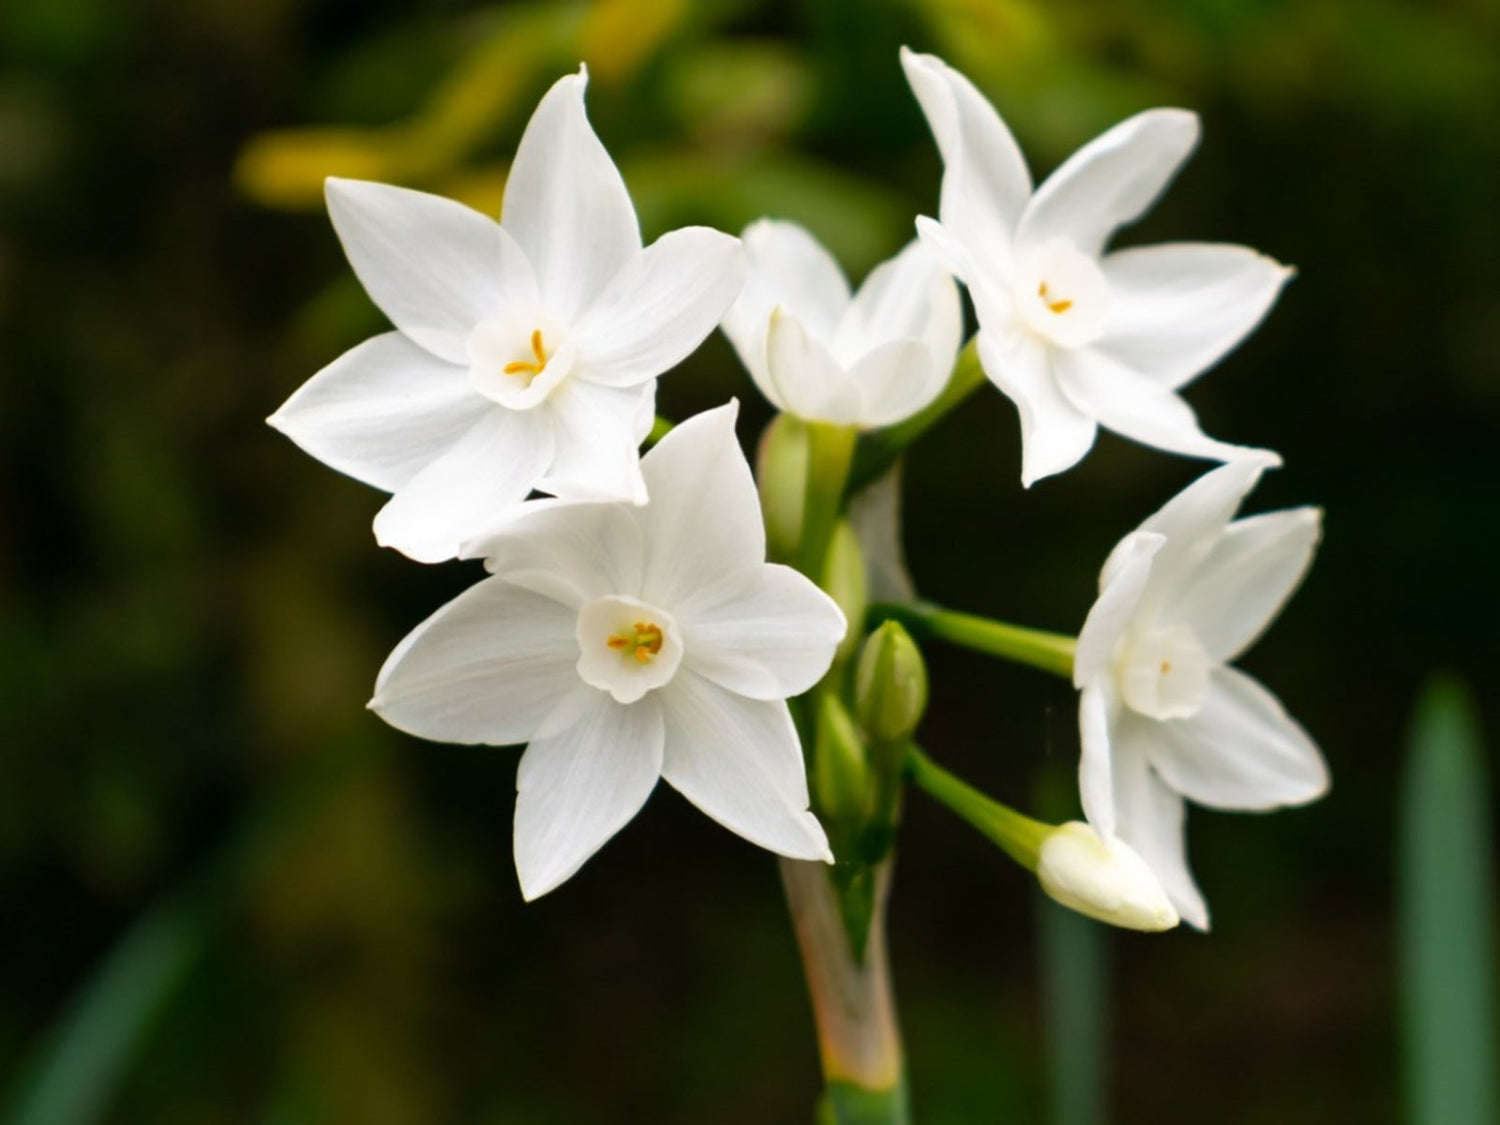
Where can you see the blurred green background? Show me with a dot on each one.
(302, 916)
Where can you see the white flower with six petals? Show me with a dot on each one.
(526, 352)
(867, 359)
(1075, 337)
(1162, 715)
(626, 643)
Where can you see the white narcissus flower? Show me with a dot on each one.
(1163, 716)
(1078, 338)
(526, 352)
(869, 359)
(628, 643)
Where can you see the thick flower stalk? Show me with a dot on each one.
(626, 644)
(1078, 338)
(526, 352)
(866, 359)
(1162, 715)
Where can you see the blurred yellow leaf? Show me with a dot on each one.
(286, 168)
(619, 35)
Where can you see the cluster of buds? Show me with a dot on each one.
(665, 616)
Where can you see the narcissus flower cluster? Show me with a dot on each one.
(631, 628)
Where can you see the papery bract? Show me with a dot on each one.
(628, 643)
(526, 352)
(1075, 337)
(866, 359)
(1162, 715)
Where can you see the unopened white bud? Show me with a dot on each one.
(1103, 879)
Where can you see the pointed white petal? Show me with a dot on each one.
(985, 180)
(659, 307)
(910, 294)
(1245, 580)
(1193, 522)
(382, 411)
(435, 267)
(1095, 785)
(1175, 310)
(895, 381)
(1121, 587)
(572, 551)
(787, 268)
(1151, 820)
(565, 203)
(1242, 751)
(1110, 181)
(767, 634)
(597, 450)
(875, 515)
(1055, 434)
(491, 467)
(487, 667)
(579, 785)
(740, 762)
(805, 378)
(704, 521)
(1139, 408)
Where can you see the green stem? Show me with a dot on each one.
(1018, 836)
(879, 449)
(830, 449)
(660, 428)
(1036, 648)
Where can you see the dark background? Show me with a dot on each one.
(192, 612)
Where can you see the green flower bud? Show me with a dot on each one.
(844, 580)
(890, 684)
(781, 476)
(841, 772)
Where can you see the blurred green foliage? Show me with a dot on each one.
(192, 612)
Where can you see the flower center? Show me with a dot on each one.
(519, 356)
(627, 647)
(1062, 294)
(1164, 673)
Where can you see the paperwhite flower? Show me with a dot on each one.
(1076, 337)
(526, 352)
(1162, 715)
(625, 644)
(870, 359)
(1103, 878)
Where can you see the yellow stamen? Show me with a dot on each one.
(528, 367)
(1166, 666)
(1058, 307)
(644, 639)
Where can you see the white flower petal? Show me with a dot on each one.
(1245, 580)
(769, 634)
(875, 515)
(574, 552)
(491, 467)
(804, 377)
(1151, 820)
(565, 203)
(1175, 310)
(740, 762)
(985, 181)
(434, 266)
(1193, 522)
(787, 268)
(659, 307)
(382, 411)
(597, 450)
(910, 294)
(1242, 751)
(895, 381)
(1122, 584)
(1055, 434)
(704, 520)
(579, 785)
(1095, 786)
(1110, 181)
(1139, 408)
(488, 667)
